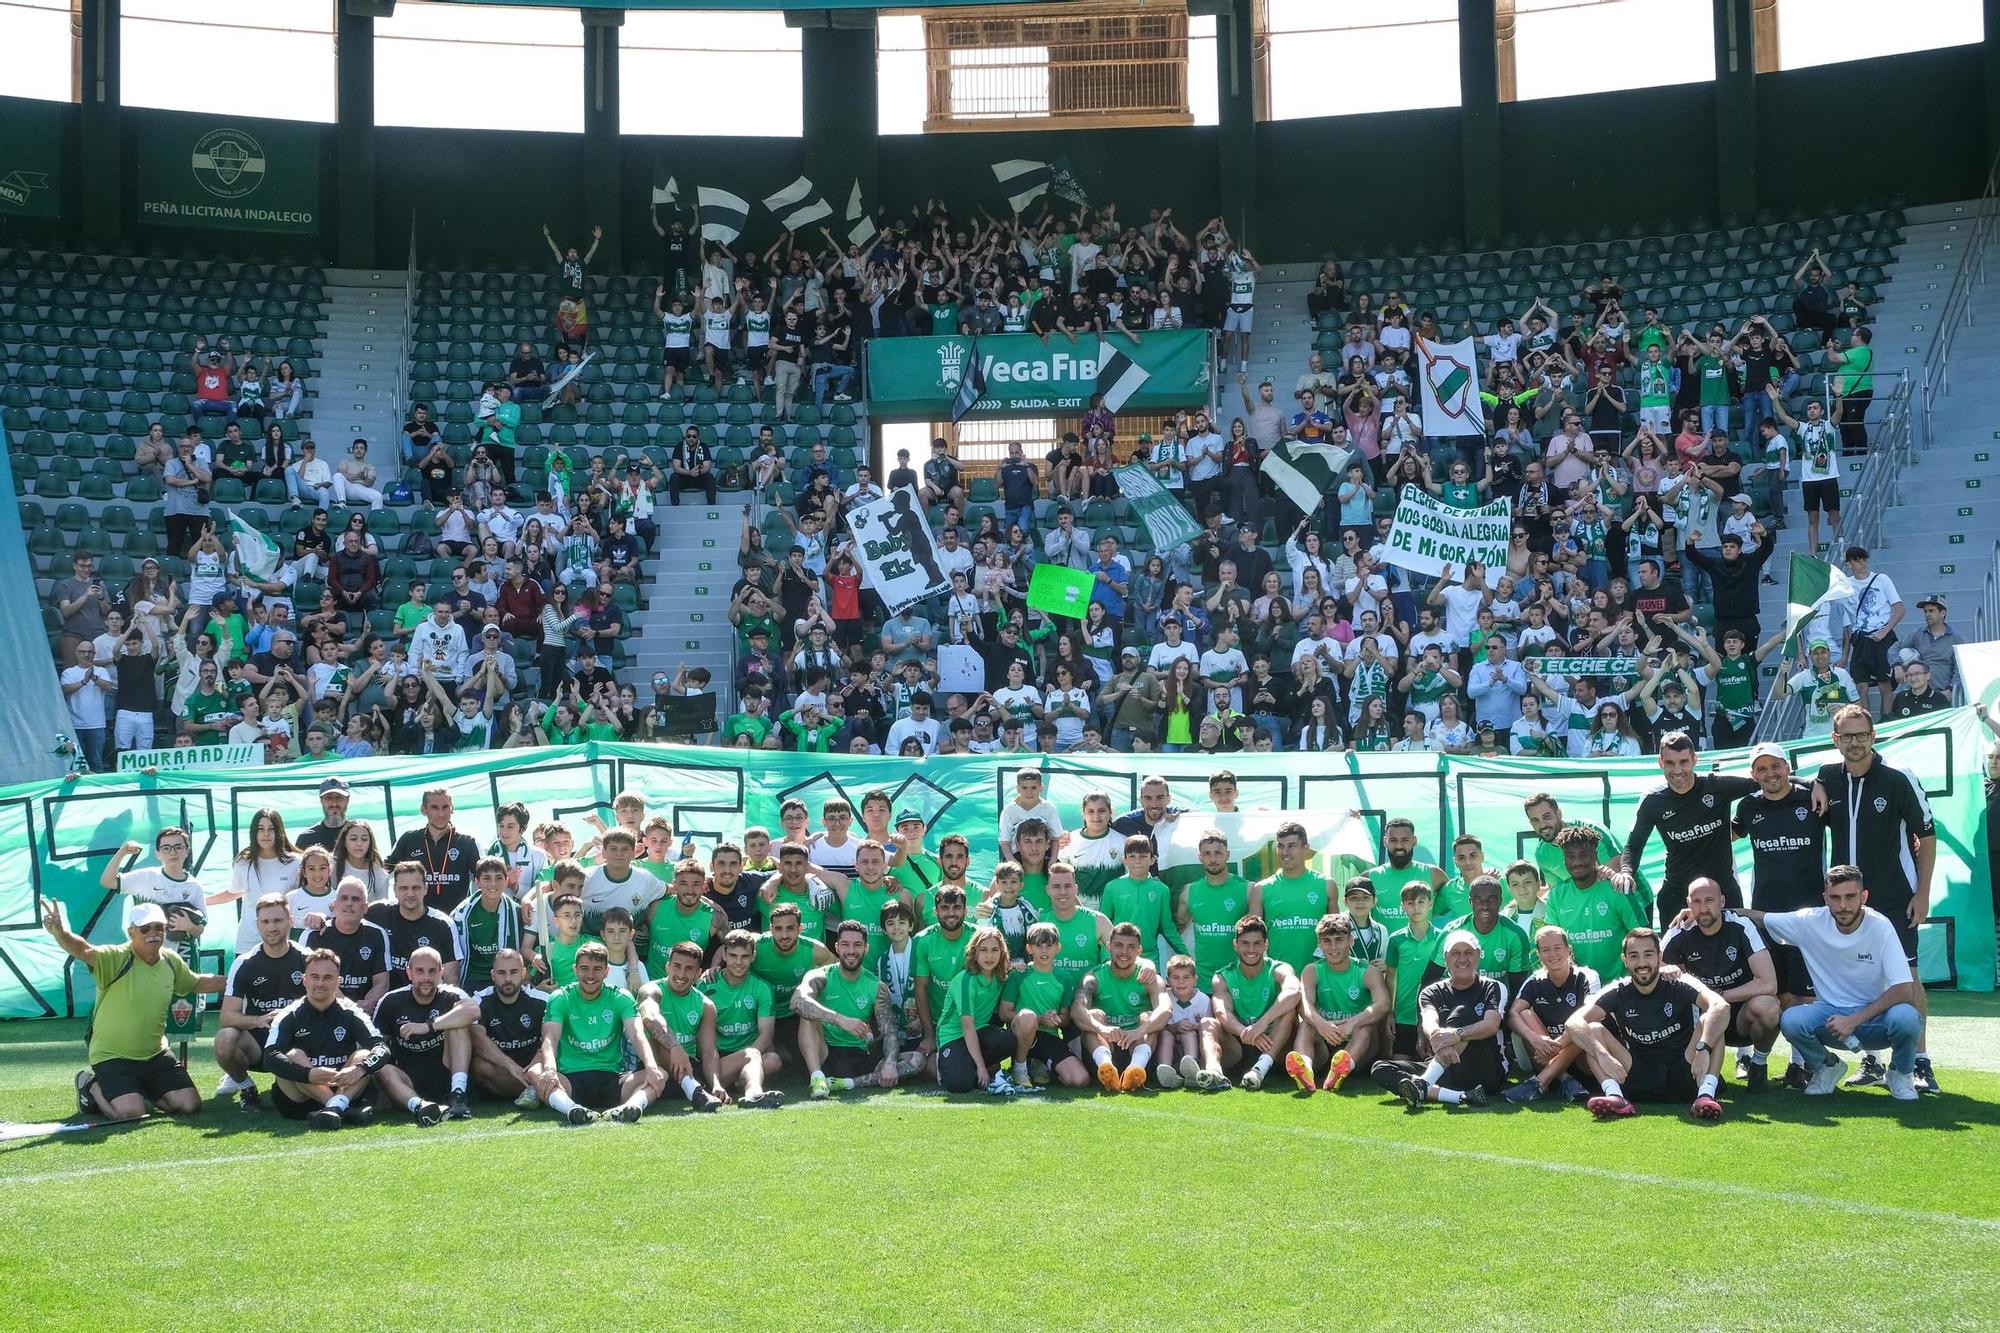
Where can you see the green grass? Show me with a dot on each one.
(915, 1210)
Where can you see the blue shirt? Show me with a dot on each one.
(1113, 600)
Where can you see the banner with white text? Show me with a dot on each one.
(1428, 535)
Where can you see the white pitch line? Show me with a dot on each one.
(1985, 1224)
(278, 1153)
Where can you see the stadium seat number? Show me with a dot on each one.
(696, 617)
(1956, 539)
(1947, 569)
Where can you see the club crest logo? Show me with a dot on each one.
(951, 364)
(229, 164)
(1881, 805)
(340, 1033)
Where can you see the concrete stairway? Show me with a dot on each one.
(361, 365)
(685, 619)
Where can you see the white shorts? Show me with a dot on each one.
(1237, 319)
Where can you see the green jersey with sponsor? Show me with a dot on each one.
(1407, 956)
(672, 926)
(682, 1015)
(1215, 910)
(1146, 903)
(1342, 993)
(1596, 919)
(1548, 859)
(1293, 905)
(482, 941)
(1506, 948)
(782, 972)
(1122, 1000)
(592, 1027)
(738, 1008)
(919, 873)
(1735, 691)
(865, 904)
(1712, 373)
(1079, 950)
(1250, 997)
(1389, 884)
(850, 998)
(939, 957)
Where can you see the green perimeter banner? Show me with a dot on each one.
(56, 837)
(233, 175)
(31, 158)
(919, 377)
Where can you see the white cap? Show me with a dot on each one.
(1458, 937)
(140, 915)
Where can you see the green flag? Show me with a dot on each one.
(256, 554)
(1814, 584)
(1060, 590)
(1166, 518)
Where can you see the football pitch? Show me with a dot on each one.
(911, 1209)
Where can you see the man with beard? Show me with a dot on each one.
(1399, 867)
(579, 1069)
(1546, 818)
(1460, 1015)
(1787, 867)
(412, 926)
(783, 957)
(680, 1022)
(260, 984)
(1256, 1001)
(1725, 953)
(443, 854)
(1292, 901)
(846, 1017)
(1651, 1037)
(1593, 914)
(333, 798)
(1691, 811)
(688, 915)
(937, 956)
(732, 885)
(1154, 810)
(324, 1051)
(361, 946)
(427, 1025)
(508, 1034)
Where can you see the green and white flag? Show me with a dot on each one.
(1305, 472)
(669, 194)
(256, 553)
(1814, 584)
(1060, 590)
(1166, 518)
(1118, 375)
(1449, 388)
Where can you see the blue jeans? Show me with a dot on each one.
(1023, 518)
(1273, 724)
(1714, 418)
(90, 744)
(1756, 408)
(841, 376)
(1897, 1028)
(211, 407)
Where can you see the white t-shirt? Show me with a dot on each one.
(1069, 729)
(1503, 346)
(1198, 1007)
(1164, 655)
(86, 705)
(253, 879)
(639, 890)
(1815, 443)
(1874, 601)
(1850, 970)
(1019, 702)
(1461, 612)
(1013, 815)
(830, 857)
(151, 885)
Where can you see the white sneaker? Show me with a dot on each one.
(229, 1087)
(1253, 1080)
(1168, 1076)
(1903, 1087)
(1826, 1078)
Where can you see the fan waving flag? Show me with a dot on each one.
(1450, 386)
(1304, 472)
(1815, 585)
(1118, 376)
(971, 385)
(798, 205)
(256, 553)
(861, 227)
(1024, 181)
(722, 214)
(1060, 590)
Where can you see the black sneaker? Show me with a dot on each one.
(323, 1119)
(704, 1100)
(627, 1114)
(1415, 1091)
(764, 1101)
(1475, 1096)
(1871, 1074)
(1757, 1077)
(580, 1115)
(428, 1114)
(458, 1108)
(86, 1105)
(358, 1115)
(1926, 1079)
(1796, 1077)
(248, 1101)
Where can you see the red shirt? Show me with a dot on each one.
(846, 596)
(212, 382)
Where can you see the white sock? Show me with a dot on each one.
(689, 1087)
(1101, 1055)
(1142, 1054)
(413, 1103)
(817, 1072)
(230, 1083)
(1450, 1097)
(1709, 1085)
(1263, 1065)
(1923, 1055)
(458, 1083)
(642, 1099)
(560, 1103)
(1433, 1072)
(1743, 1052)
(1758, 1057)
(1611, 1088)
(338, 1102)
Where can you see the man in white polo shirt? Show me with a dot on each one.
(1866, 995)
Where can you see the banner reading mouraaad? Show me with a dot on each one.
(56, 837)
(1429, 534)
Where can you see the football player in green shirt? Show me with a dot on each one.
(1207, 909)
(680, 1022)
(868, 892)
(1036, 1001)
(1546, 817)
(1342, 1000)
(845, 1016)
(688, 914)
(1588, 906)
(581, 1055)
(1291, 901)
(1136, 896)
(1411, 949)
(743, 1023)
(784, 956)
(1121, 1006)
(1399, 867)
(1468, 857)
(1256, 1002)
(1505, 953)
(937, 955)
(1085, 935)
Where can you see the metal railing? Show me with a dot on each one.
(1957, 308)
(1116, 68)
(1986, 624)
(401, 390)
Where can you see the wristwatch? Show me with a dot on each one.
(1703, 1047)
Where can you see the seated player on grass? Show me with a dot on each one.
(1034, 1005)
(1190, 1044)
(1121, 1006)
(428, 1025)
(744, 1024)
(324, 1052)
(847, 1021)
(680, 1022)
(1341, 1004)
(583, 1057)
(1725, 952)
(508, 1034)
(1652, 1038)
(1460, 1016)
(261, 983)
(1539, 1013)
(1256, 1005)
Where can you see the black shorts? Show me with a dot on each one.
(1894, 903)
(1790, 965)
(596, 1089)
(1868, 659)
(785, 1037)
(429, 1079)
(290, 1107)
(1736, 1034)
(755, 358)
(1052, 1047)
(1822, 496)
(151, 1078)
(1405, 1046)
(1659, 1080)
(850, 1061)
(676, 357)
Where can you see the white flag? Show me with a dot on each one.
(1024, 181)
(798, 205)
(256, 553)
(1450, 387)
(670, 193)
(861, 229)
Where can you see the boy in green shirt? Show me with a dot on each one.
(1034, 1006)
(558, 952)
(413, 612)
(1412, 948)
(1468, 857)
(1136, 896)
